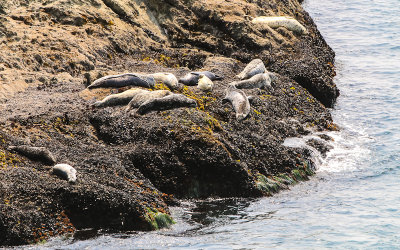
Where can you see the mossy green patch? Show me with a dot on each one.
(158, 220)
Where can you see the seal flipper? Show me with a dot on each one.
(218, 77)
(251, 99)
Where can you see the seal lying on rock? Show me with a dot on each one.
(168, 102)
(280, 21)
(255, 67)
(65, 172)
(35, 153)
(205, 83)
(128, 79)
(192, 78)
(120, 98)
(258, 81)
(239, 101)
(168, 79)
(145, 96)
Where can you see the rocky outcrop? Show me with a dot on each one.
(129, 168)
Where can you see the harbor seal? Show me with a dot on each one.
(35, 153)
(168, 79)
(239, 101)
(253, 68)
(119, 99)
(205, 83)
(168, 102)
(65, 172)
(192, 78)
(146, 95)
(128, 79)
(280, 21)
(258, 81)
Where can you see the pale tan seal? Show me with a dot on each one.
(166, 103)
(119, 99)
(65, 172)
(255, 67)
(168, 79)
(123, 80)
(35, 153)
(239, 101)
(280, 21)
(205, 83)
(263, 80)
(144, 96)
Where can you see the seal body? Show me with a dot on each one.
(119, 99)
(168, 79)
(205, 83)
(123, 80)
(258, 81)
(255, 67)
(192, 78)
(65, 172)
(168, 102)
(280, 21)
(146, 95)
(35, 153)
(239, 101)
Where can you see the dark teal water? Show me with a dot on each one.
(353, 202)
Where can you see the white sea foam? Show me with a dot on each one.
(350, 149)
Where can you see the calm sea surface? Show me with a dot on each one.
(353, 201)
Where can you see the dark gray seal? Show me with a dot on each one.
(239, 101)
(35, 153)
(192, 78)
(255, 67)
(128, 79)
(166, 103)
(258, 81)
(65, 172)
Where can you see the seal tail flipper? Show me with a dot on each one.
(218, 77)
(251, 99)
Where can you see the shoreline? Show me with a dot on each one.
(130, 169)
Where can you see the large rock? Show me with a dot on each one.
(129, 168)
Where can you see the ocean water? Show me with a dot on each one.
(353, 202)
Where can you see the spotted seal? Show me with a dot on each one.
(146, 95)
(205, 83)
(263, 80)
(168, 79)
(255, 67)
(35, 153)
(128, 79)
(192, 78)
(239, 101)
(65, 172)
(166, 103)
(119, 99)
(280, 21)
